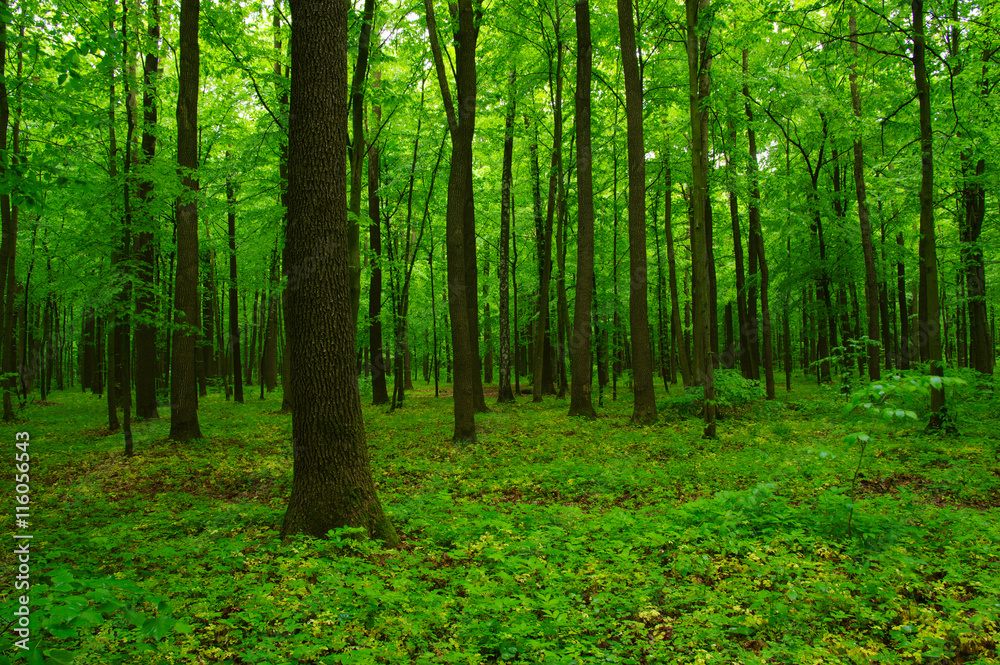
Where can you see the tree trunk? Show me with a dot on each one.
(905, 348)
(644, 405)
(145, 253)
(183, 391)
(928, 312)
(699, 62)
(544, 327)
(460, 223)
(581, 403)
(332, 483)
(357, 148)
(380, 392)
(868, 249)
(683, 360)
(234, 314)
(504, 393)
(757, 247)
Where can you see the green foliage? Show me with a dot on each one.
(553, 540)
(732, 393)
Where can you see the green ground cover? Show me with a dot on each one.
(554, 540)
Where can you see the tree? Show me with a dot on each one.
(644, 405)
(929, 319)
(145, 253)
(183, 389)
(580, 401)
(504, 392)
(332, 484)
(460, 221)
(699, 60)
(871, 275)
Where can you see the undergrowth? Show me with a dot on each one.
(553, 540)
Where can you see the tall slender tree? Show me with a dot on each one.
(183, 389)
(644, 405)
(504, 392)
(699, 60)
(460, 221)
(928, 317)
(580, 402)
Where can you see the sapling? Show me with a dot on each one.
(874, 400)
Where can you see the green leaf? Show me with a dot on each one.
(60, 656)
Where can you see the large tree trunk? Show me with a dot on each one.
(332, 483)
(504, 393)
(183, 390)
(460, 223)
(928, 312)
(644, 406)
(145, 253)
(699, 62)
(580, 402)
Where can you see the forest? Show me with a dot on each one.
(535, 331)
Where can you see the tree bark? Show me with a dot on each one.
(928, 312)
(461, 125)
(332, 483)
(581, 403)
(380, 392)
(183, 391)
(644, 404)
(871, 275)
(145, 252)
(504, 392)
(699, 62)
(757, 246)
(543, 332)
(358, 151)
(234, 314)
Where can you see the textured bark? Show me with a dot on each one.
(871, 275)
(380, 392)
(144, 249)
(460, 235)
(234, 314)
(504, 392)
(905, 344)
(699, 62)
(358, 151)
(644, 405)
(677, 332)
(747, 351)
(544, 325)
(928, 312)
(757, 247)
(9, 241)
(332, 483)
(183, 391)
(980, 345)
(580, 402)
(269, 331)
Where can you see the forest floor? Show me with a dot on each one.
(553, 540)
